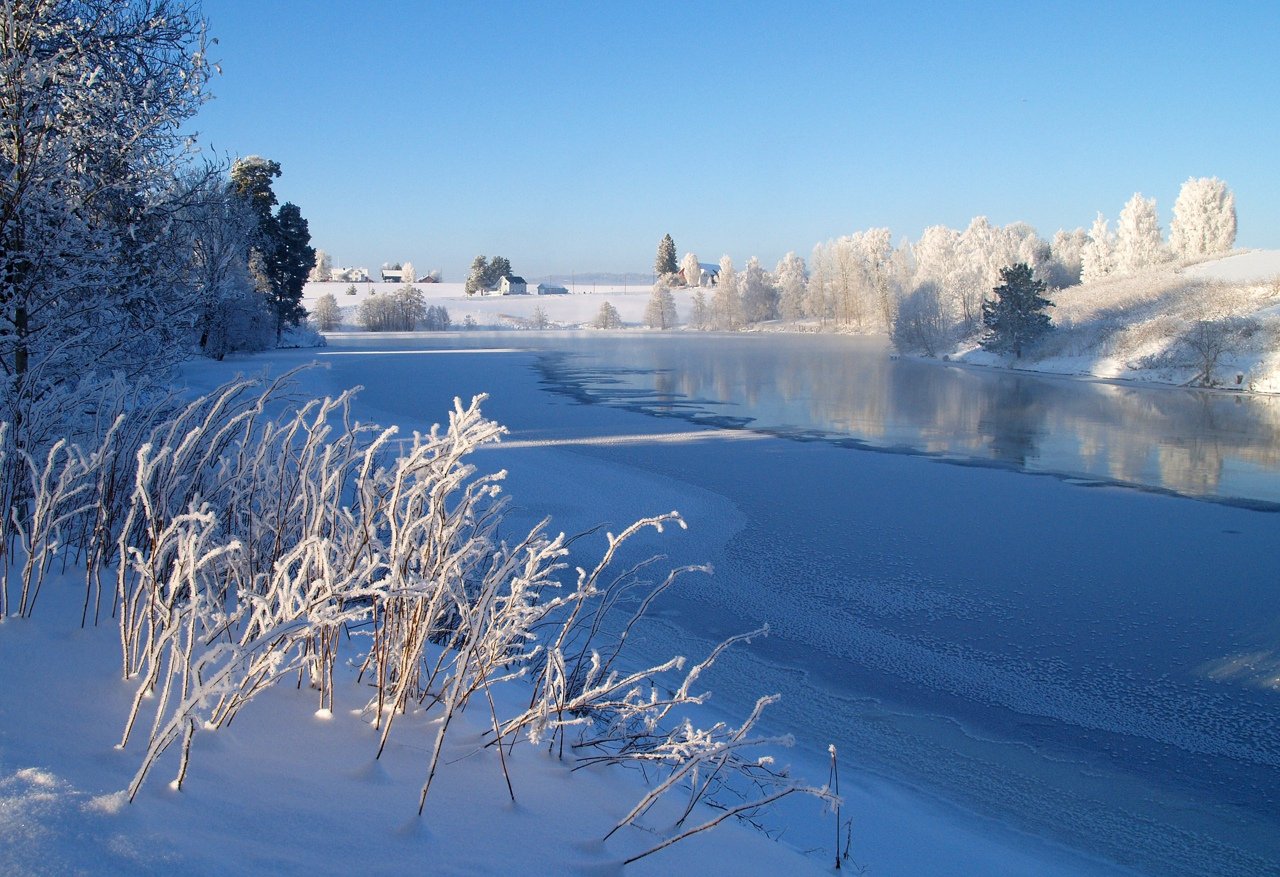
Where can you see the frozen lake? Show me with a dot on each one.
(1081, 669)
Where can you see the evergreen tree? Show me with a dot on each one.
(1016, 317)
(289, 262)
(665, 263)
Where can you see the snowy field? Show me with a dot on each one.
(577, 309)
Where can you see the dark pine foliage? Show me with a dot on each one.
(1016, 317)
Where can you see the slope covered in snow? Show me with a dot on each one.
(1169, 325)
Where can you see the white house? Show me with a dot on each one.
(551, 289)
(350, 275)
(392, 275)
(513, 286)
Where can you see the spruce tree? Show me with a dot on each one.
(665, 263)
(1016, 317)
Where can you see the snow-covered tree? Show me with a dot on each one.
(539, 320)
(1204, 219)
(1067, 252)
(93, 95)
(1098, 256)
(323, 269)
(1016, 317)
(726, 302)
(326, 315)
(437, 319)
(792, 278)
(691, 269)
(607, 317)
(1139, 244)
(409, 276)
(399, 311)
(660, 312)
(665, 262)
(759, 294)
(699, 312)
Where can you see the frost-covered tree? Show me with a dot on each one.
(921, 323)
(1067, 252)
(326, 315)
(437, 319)
(700, 313)
(759, 293)
(1204, 219)
(1139, 244)
(726, 302)
(691, 270)
(409, 276)
(792, 278)
(1098, 255)
(1016, 317)
(539, 320)
(665, 262)
(93, 97)
(607, 317)
(660, 312)
(399, 311)
(323, 269)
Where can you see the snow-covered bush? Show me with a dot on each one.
(251, 532)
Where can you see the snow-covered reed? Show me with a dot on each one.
(251, 533)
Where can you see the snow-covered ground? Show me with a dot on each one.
(1128, 328)
(576, 309)
(286, 791)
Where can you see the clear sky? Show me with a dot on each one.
(572, 136)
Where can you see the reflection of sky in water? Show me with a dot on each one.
(1195, 443)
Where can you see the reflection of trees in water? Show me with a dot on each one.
(1177, 439)
(1012, 420)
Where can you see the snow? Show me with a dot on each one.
(301, 793)
(1128, 328)
(577, 309)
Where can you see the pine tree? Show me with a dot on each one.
(1016, 317)
(665, 263)
(289, 262)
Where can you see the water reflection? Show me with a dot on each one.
(1202, 444)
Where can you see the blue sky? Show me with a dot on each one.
(572, 136)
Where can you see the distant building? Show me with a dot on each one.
(392, 275)
(551, 289)
(709, 275)
(349, 275)
(513, 286)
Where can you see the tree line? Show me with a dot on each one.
(933, 292)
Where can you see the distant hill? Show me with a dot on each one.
(603, 278)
